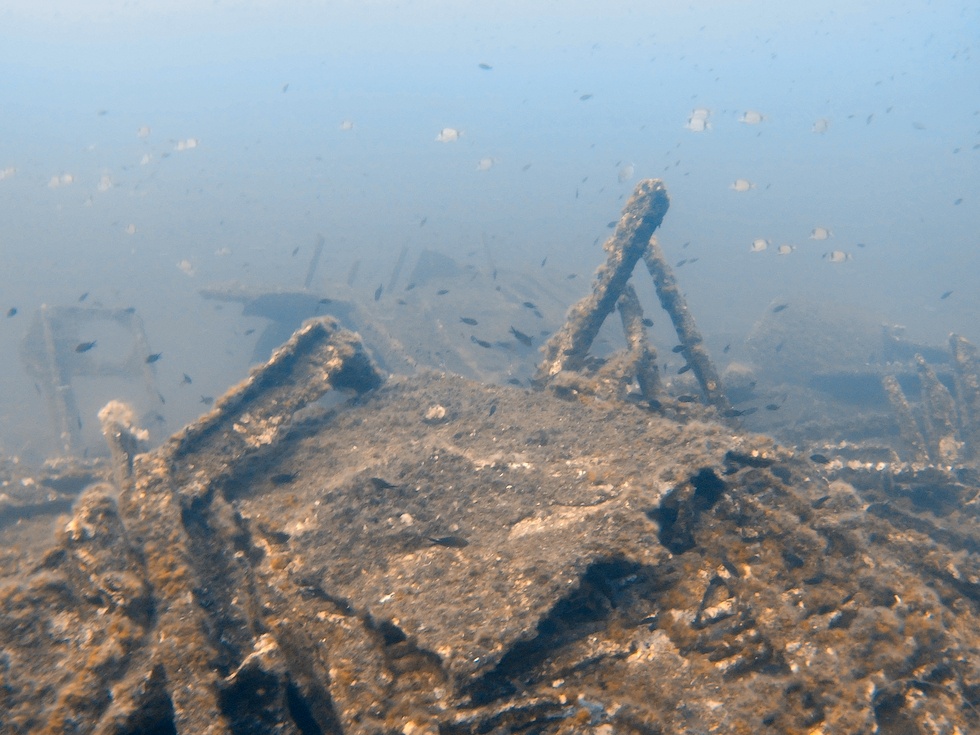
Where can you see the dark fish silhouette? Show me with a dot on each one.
(83, 297)
(187, 380)
(524, 339)
(530, 305)
(468, 320)
(683, 369)
(819, 458)
(778, 308)
(442, 292)
(946, 295)
(485, 67)
(676, 348)
(451, 542)
(150, 359)
(207, 400)
(12, 311)
(85, 346)
(482, 342)
(378, 291)
(686, 399)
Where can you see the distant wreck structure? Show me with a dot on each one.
(632, 240)
(56, 351)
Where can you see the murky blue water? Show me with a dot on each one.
(151, 150)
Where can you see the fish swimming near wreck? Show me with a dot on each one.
(524, 339)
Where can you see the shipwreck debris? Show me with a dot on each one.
(319, 357)
(966, 376)
(938, 416)
(674, 304)
(54, 355)
(907, 426)
(632, 240)
(416, 563)
(642, 353)
(125, 440)
(643, 213)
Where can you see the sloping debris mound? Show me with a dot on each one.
(442, 556)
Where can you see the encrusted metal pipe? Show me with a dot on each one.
(643, 213)
(687, 330)
(907, 426)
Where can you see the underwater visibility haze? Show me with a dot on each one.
(820, 152)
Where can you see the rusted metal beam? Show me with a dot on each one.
(643, 213)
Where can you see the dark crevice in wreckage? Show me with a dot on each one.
(609, 589)
(680, 509)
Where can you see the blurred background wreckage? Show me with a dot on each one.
(54, 355)
(441, 555)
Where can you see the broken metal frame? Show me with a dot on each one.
(633, 239)
(157, 491)
(51, 356)
(947, 430)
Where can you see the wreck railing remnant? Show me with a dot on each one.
(688, 334)
(967, 379)
(946, 430)
(318, 357)
(642, 353)
(158, 489)
(633, 239)
(52, 355)
(643, 213)
(938, 416)
(125, 440)
(907, 426)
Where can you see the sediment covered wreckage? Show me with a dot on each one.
(439, 555)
